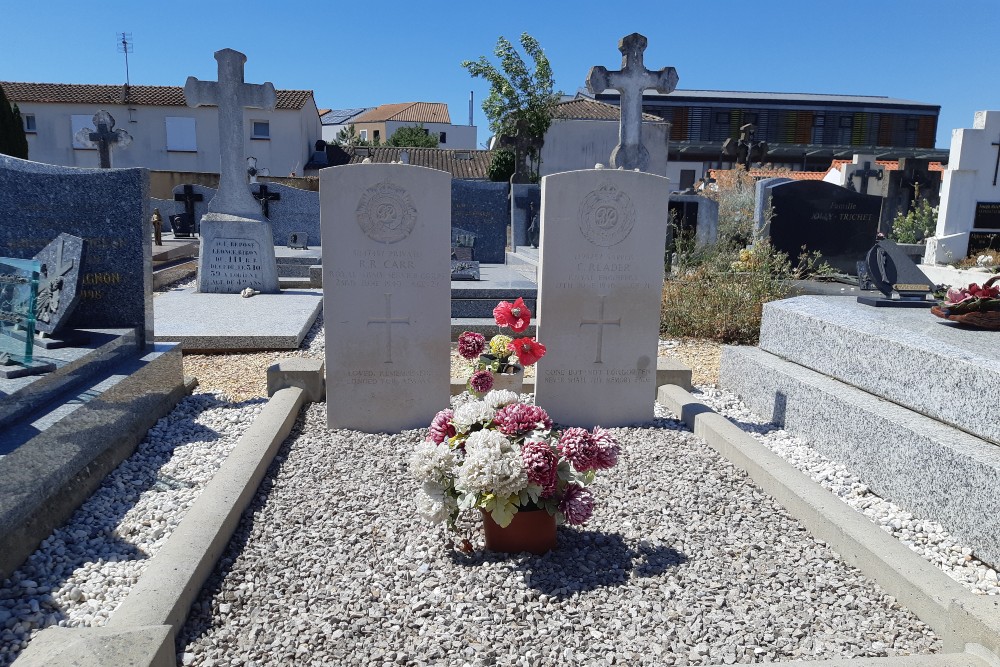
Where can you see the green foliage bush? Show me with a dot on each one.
(916, 225)
(501, 165)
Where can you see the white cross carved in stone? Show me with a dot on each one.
(388, 321)
(600, 323)
(231, 95)
(630, 81)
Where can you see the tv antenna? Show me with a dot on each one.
(125, 46)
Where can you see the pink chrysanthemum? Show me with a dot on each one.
(481, 382)
(517, 419)
(607, 449)
(471, 345)
(541, 464)
(577, 446)
(577, 505)
(441, 428)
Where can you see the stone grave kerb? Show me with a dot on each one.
(231, 95)
(631, 81)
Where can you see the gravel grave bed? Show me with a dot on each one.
(684, 562)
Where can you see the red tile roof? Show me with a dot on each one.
(464, 164)
(407, 112)
(162, 96)
(890, 165)
(583, 108)
(781, 173)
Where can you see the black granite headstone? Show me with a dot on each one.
(987, 215)
(183, 225)
(109, 210)
(983, 242)
(891, 270)
(480, 207)
(821, 216)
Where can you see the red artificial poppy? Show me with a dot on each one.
(528, 350)
(514, 315)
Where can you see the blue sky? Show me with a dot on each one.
(363, 54)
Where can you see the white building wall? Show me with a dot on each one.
(458, 137)
(580, 144)
(293, 133)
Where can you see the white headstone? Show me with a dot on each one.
(970, 190)
(386, 295)
(600, 287)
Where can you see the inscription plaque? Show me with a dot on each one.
(987, 215)
(233, 263)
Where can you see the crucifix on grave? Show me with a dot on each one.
(997, 167)
(104, 137)
(265, 198)
(864, 174)
(631, 81)
(388, 321)
(231, 95)
(746, 150)
(524, 145)
(600, 323)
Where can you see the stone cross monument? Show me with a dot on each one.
(104, 137)
(231, 95)
(237, 244)
(630, 82)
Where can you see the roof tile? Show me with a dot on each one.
(583, 108)
(407, 112)
(475, 167)
(83, 93)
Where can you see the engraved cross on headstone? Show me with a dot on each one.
(265, 198)
(864, 174)
(104, 137)
(630, 82)
(600, 323)
(388, 321)
(231, 95)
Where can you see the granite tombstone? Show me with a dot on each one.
(823, 217)
(600, 287)
(386, 295)
(109, 210)
(480, 207)
(59, 284)
(892, 271)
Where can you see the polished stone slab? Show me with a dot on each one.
(938, 368)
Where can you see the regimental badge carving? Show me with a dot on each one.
(606, 216)
(386, 213)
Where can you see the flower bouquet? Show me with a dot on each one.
(502, 354)
(501, 456)
(974, 305)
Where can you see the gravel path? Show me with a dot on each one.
(684, 562)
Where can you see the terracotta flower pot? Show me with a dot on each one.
(531, 530)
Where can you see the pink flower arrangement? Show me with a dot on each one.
(972, 298)
(500, 455)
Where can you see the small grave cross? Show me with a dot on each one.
(189, 197)
(997, 167)
(388, 321)
(265, 198)
(600, 323)
(231, 95)
(630, 81)
(864, 174)
(523, 145)
(104, 137)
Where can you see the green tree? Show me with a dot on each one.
(413, 136)
(13, 141)
(916, 225)
(516, 93)
(348, 137)
(501, 165)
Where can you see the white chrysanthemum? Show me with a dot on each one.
(434, 504)
(492, 465)
(474, 412)
(432, 462)
(498, 398)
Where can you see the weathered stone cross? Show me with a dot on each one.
(231, 95)
(388, 321)
(105, 137)
(600, 322)
(523, 144)
(864, 174)
(630, 82)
